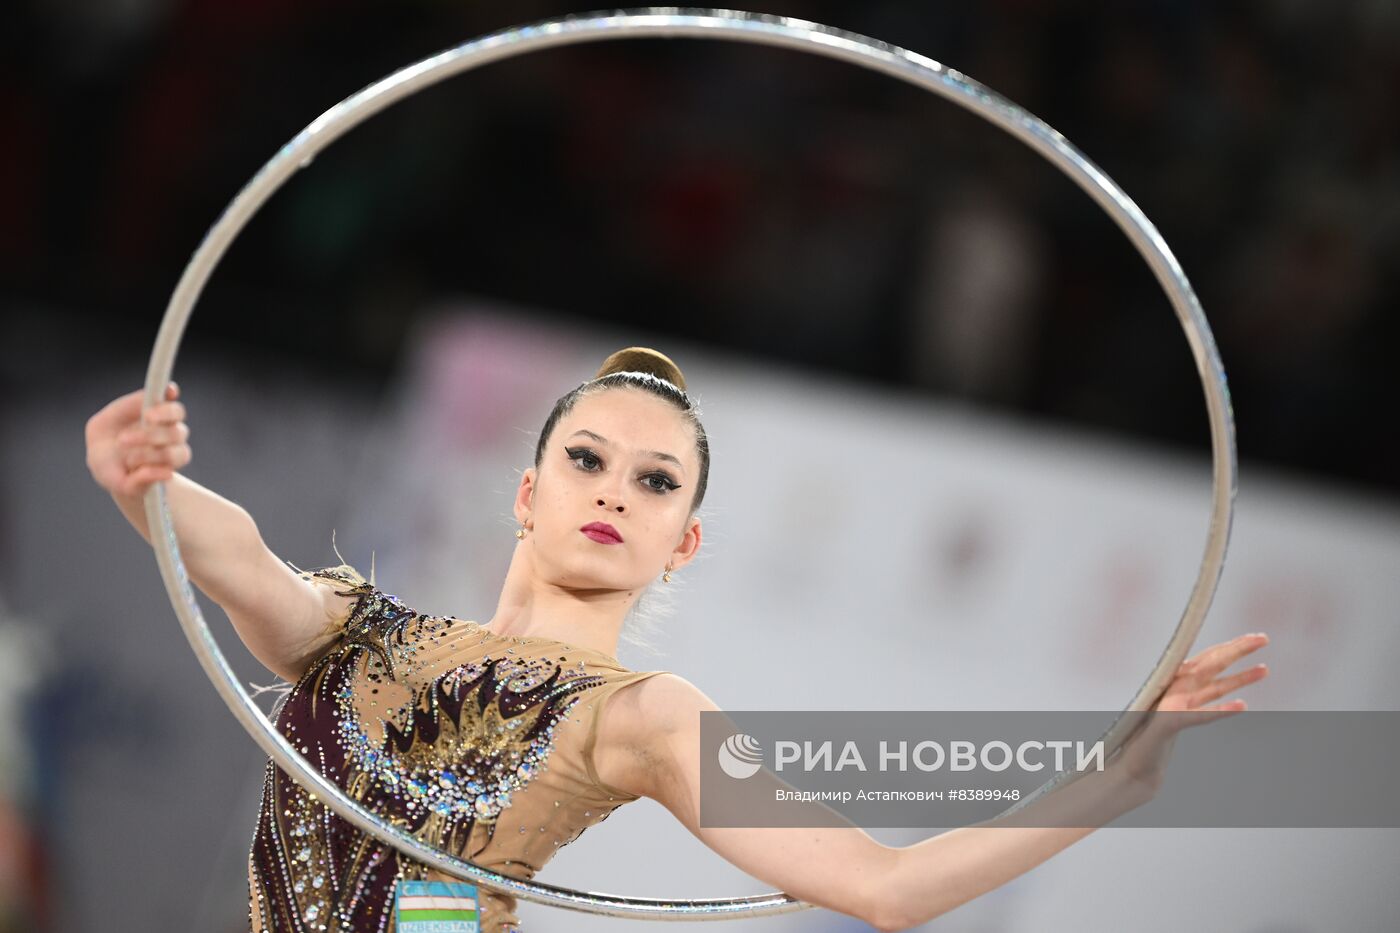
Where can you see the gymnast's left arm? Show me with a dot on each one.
(841, 868)
(893, 888)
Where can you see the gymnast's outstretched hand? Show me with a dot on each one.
(1190, 697)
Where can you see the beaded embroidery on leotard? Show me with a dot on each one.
(444, 728)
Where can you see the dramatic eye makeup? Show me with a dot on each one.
(659, 455)
(658, 481)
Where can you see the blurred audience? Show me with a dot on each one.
(772, 202)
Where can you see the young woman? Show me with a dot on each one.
(496, 741)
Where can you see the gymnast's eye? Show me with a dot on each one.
(666, 484)
(658, 482)
(580, 455)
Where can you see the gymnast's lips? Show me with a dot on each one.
(602, 532)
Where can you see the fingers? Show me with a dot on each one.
(125, 410)
(128, 407)
(130, 447)
(1217, 689)
(1216, 658)
(165, 413)
(153, 444)
(175, 455)
(156, 442)
(158, 434)
(1211, 713)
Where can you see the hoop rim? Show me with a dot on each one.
(762, 29)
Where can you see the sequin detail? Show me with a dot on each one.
(439, 726)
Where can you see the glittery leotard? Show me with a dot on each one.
(481, 744)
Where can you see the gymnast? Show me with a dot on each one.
(496, 741)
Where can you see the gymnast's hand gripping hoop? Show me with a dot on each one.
(693, 24)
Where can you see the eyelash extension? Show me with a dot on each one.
(578, 453)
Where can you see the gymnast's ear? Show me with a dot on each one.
(689, 544)
(525, 496)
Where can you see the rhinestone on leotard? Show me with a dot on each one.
(438, 726)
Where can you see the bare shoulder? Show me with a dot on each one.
(668, 702)
(655, 706)
(637, 729)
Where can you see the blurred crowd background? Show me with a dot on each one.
(762, 207)
(772, 204)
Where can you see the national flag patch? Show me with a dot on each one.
(436, 907)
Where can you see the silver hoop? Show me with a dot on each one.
(694, 24)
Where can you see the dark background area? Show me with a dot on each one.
(767, 202)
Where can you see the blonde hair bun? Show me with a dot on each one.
(643, 360)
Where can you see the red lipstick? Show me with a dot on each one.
(602, 532)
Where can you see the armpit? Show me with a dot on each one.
(598, 700)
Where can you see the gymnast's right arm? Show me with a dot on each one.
(285, 620)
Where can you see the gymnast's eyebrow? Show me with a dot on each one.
(650, 453)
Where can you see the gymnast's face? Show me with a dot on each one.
(608, 461)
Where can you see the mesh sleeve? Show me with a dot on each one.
(597, 701)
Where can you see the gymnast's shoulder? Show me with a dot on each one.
(666, 703)
(648, 733)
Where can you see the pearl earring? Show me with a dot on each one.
(520, 532)
(666, 577)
